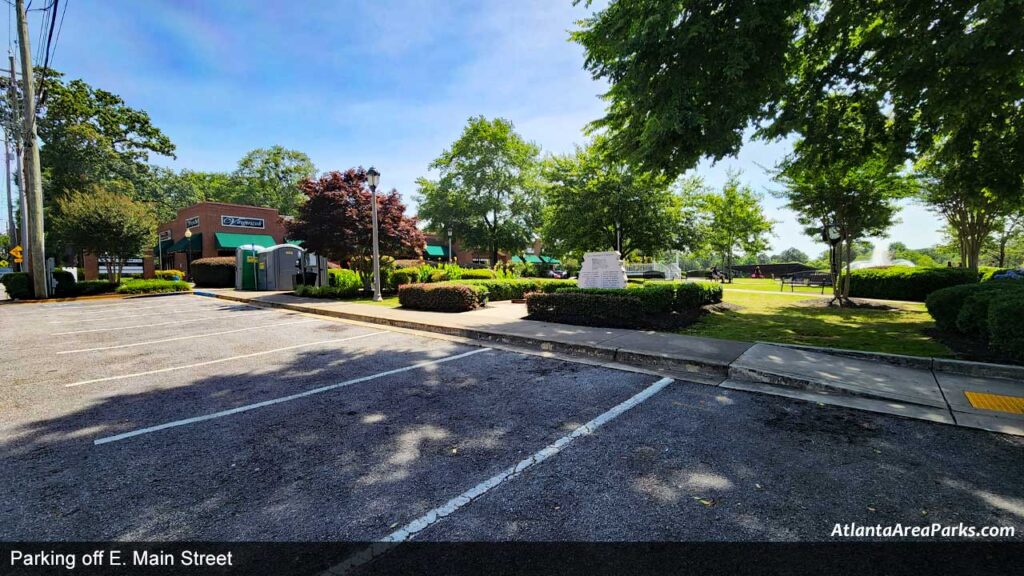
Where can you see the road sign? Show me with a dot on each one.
(16, 253)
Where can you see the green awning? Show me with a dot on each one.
(530, 259)
(182, 245)
(551, 259)
(436, 251)
(294, 242)
(230, 241)
(162, 247)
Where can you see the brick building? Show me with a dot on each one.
(217, 229)
(436, 250)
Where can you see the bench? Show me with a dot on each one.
(820, 279)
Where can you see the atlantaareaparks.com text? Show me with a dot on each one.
(854, 530)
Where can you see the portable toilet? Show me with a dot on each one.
(278, 266)
(247, 266)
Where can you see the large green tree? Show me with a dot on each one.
(272, 177)
(595, 204)
(734, 222)
(91, 137)
(488, 192)
(106, 223)
(847, 182)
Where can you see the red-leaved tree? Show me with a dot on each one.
(336, 221)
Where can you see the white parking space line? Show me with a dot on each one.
(90, 312)
(188, 337)
(209, 362)
(247, 313)
(282, 399)
(425, 521)
(175, 311)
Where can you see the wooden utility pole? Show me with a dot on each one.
(31, 178)
(12, 93)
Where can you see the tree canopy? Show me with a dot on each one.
(595, 204)
(689, 78)
(336, 221)
(488, 192)
(734, 221)
(272, 177)
(107, 224)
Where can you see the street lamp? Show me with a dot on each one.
(373, 178)
(449, 244)
(188, 258)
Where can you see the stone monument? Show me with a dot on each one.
(602, 270)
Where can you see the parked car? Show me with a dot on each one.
(554, 273)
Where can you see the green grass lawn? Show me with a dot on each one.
(387, 302)
(776, 318)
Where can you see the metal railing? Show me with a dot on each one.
(671, 271)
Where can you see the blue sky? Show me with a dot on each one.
(383, 82)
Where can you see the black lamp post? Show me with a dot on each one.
(373, 178)
(188, 257)
(449, 244)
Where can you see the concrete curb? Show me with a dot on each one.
(96, 297)
(700, 371)
(950, 365)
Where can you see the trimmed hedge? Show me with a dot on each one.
(650, 305)
(169, 274)
(692, 295)
(515, 289)
(1006, 325)
(905, 282)
(93, 287)
(65, 283)
(621, 309)
(442, 297)
(152, 287)
(992, 311)
(215, 272)
(18, 285)
(477, 274)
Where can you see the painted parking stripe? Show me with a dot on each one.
(188, 337)
(282, 399)
(175, 311)
(90, 312)
(209, 362)
(151, 325)
(410, 530)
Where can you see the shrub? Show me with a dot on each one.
(654, 298)
(327, 291)
(347, 282)
(152, 287)
(944, 305)
(906, 283)
(93, 287)
(518, 288)
(617, 309)
(1006, 325)
(215, 272)
(442, 297)
(404, 276)
(477, 274)
(18, 285)
(965, 308)
(65, 283)
(170, 275)
(693, 295)
(973, 316)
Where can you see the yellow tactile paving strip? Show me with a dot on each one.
(996, 402)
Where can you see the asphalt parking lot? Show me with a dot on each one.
(189, 418)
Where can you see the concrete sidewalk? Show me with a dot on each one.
(945, 391)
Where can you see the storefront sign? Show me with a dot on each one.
(192, 222)
(165, 235)
(241, 222)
